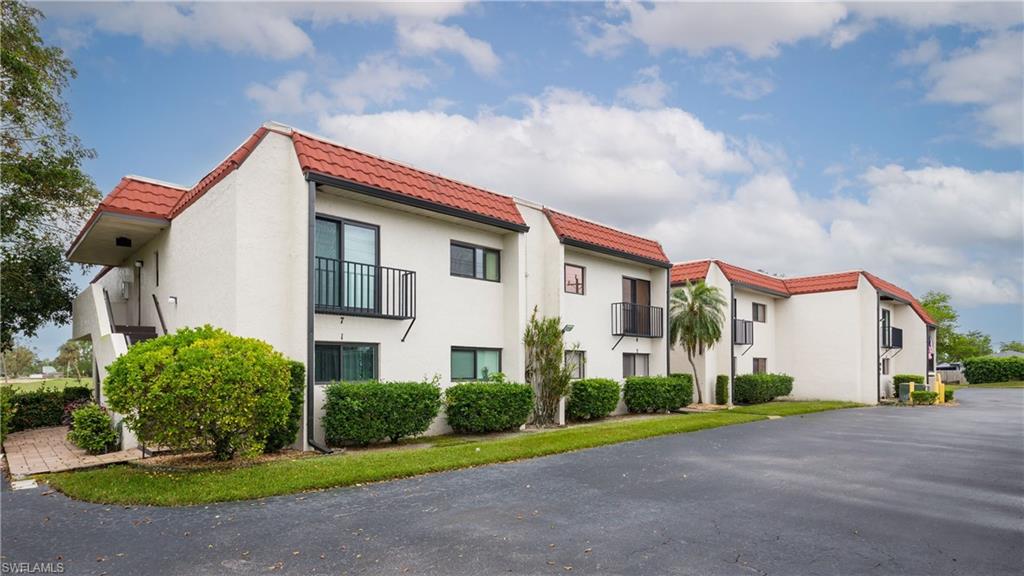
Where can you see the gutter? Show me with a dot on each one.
(310, 342)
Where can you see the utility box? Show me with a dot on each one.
(904, 392)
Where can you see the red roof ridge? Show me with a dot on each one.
(618, 241)
(601, 224)
(154, 181)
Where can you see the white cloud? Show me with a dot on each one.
(377, 80)
(272, 30)
(663, 173)
(924, 53)
(425, 37)
(649, 90)
(736, 82)
(991, 77)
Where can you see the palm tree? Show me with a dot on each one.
(695, 321)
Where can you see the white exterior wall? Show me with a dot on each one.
(764, 332)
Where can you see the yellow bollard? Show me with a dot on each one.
(940, 388)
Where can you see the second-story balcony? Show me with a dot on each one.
(894, 339)
(358, 289)
(637, 320)
(742, 332)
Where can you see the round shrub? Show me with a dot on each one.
(658, 393)
(201, 389)
(947, 395)
(923, 397)
(592, 398)
(760, 388)
(284, 435)
(478, 407)
(365, 412)
(92, 429)
(69, 410)
(986, 369)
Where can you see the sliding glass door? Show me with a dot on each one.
(347, 255)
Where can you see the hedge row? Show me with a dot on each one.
(365, 412)
(286, 434)
(42, 408)
(760, 388)
(592, 398)
(907, 379)
(658, 393)
(986, 369)
(923, 397)
(479, 407)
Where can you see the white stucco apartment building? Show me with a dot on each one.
(364, 268)
(841, 336)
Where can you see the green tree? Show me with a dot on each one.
(45, 194)
(74, 358)
(969, 345)
(696, 316)
(1012, 346)
(546, 369)
(19, 361)
(938, 306)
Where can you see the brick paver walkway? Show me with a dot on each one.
(49, 450)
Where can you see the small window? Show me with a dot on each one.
(635, 365)
(347, 362)
(885, 366)
(475, 262)
(475, 363)
(760, 365)
(760, 312)
(577, 360)
(575, 279)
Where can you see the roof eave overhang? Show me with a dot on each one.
(374, 192)
(150, 226)
(614, 252)
(761, 289)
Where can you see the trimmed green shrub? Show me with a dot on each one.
(67, 419)
(37, 409)
(365, 412)
(592, 398)
(906, 379)
(760, 388)
(285, 434)
(75, 393)
(923, 397)
(6, 411)
(201, 389)
(658, 393)
(722, 389)
(92, 429)
(479, 407)
(986, 369)
(947, 395)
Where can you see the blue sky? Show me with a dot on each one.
(795, 139)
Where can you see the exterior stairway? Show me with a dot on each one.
(136, 334)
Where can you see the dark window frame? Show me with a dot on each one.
(764, 362)
(581, 368)
(341, 345)
(476, 361)
(474, 247)
(763, 316)
(885, 327)
(635, 355)
(583, 277)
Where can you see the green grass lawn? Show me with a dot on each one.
(794, 408)
(135, 484)
(52, 383)
(1014, 384)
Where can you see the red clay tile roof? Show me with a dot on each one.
(894, 290)
(142, 198)
(689, 271)
(591, 234)
(823, 283)
(339, 162)
(753, 279)
(229, 164)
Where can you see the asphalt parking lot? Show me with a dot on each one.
(932, 490)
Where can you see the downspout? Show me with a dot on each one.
(732, 346)
(310, 342)
(668, 337)
(878, 347)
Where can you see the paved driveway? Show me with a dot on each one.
(871, 491)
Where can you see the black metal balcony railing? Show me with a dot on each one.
(630, 319)
(742, 332)
(364, 289)
(894, 340)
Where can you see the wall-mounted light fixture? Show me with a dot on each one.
(138, 263)
(567, 328)
(172, 300)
